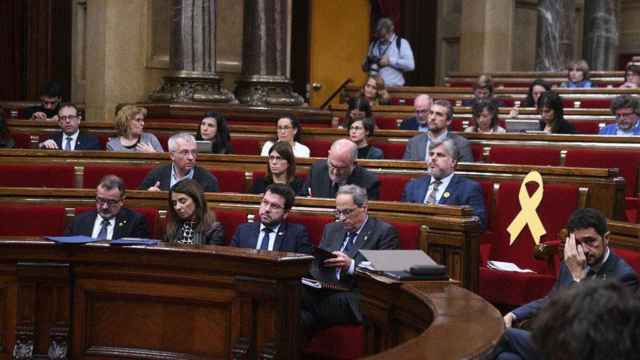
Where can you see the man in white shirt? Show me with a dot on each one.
(389, 55)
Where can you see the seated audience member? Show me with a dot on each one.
(443, 185)
(289, 130)
(340, 168)
(439, 119)
(190, 222)
(213, 127)
(552, 115)
(6, 141)
(422, 104)
(388, 55)
(482, 90)
(578, 74)
(352, 231)
(357, 108)
(485, 118)
(374, 91)
(281, 169)
(70, 138)
(359, 132)
(598, 320)
(536, 89)
(273, 232)
(129, 124)
(110, 220)
(587, 257)
(626, 108)
(631, 77)
(183, 153)
(50, 98)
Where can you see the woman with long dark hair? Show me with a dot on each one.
(281, 169)
(213, 127)
(552, 114)
(288, 129)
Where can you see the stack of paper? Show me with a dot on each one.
(505, 266)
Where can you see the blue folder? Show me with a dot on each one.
(76, 239)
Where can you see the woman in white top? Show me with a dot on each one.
(289, 130)
(485, 118)
(130, 133)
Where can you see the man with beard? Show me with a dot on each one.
(422, 104)
(110, 220)
(340, 168)
(587, 257)
(273, 232)
(443, 186)
(626, 109)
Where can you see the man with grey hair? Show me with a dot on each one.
(389, 55)
(626, 109)
(422, 103)
(439, 119)
(353, 230)
(443, 186)
(340, 168)
(183, 152)
(110, 220)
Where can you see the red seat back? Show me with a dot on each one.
(231, 180)
(625, 160)
(23, 141)
(392, 186)
(586, 126)
(314, 224)
(37, 175)
(245, 146)
(392, 151)
(318, 148)
(408, 234)
(132, 175)
(31, 220)
(230, 219)
(529, 155)
(387, 122)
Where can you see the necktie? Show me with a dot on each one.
(67, 145)
(265, 239)
(334, 189)
(349, 242)
(102, 235)
(431, 199)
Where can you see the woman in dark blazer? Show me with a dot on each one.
(281, 169)
(552, 114)
(359, 132)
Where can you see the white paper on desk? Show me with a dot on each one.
(506, 266)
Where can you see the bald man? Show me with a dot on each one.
(340, 168)
(422, 104)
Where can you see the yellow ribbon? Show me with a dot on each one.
(527, 214)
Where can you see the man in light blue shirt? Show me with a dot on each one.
(389, 55)
(626, 108)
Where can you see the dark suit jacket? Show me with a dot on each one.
(409, 124)
(564, 127)
(319, 182)
(613, 268)
(462, 191)
(417, 148)
(128, 224)
(290, 237)
(85, 141)
(162, 173)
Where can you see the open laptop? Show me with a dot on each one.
(204, 146)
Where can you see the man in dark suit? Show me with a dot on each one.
(443, 186)
(587, 257)
(422, 103)
(110, 220)
(340, 168)
(183, 152)
(353, 230)
(440, 116)
(273, 232)
(70, 138)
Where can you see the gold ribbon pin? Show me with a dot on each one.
(528, 214)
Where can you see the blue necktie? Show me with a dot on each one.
(67, 145)
(349, 242)
(102, 235)
(265, 238)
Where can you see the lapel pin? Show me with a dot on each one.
(446, 194)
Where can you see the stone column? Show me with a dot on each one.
(192, 57)
(264, 79)
(600, 34)
(556, 34)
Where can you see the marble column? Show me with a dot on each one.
(556, 34)
(264, 79)
(192, 55)
(600, 33)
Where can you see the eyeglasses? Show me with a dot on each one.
(626, 115)
(274, 206)
(185, 152)
(356, 128)
(422, 111)
(345, 213)
(275, 158)
(68, 117)
(109, 202)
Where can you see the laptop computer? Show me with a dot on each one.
(204, 146)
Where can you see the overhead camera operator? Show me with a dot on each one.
(389, 55)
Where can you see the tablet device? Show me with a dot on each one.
(204, 146)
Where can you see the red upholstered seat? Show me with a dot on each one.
(31, 220)
(338, 342)
(408, 234)
(37, 175)
(392, 186)
(401, 101)
(529, 155)
(103, 138)
(586, 126)
(393, 151)
(230, 219)
(314, 224)
(456, 124)
(245, 146)
(625, 160)
(23, 141)
(231, 180)
(387, 122)
(132, 175)
(631, 209)
(477, 150)
(163, 138)
(632, 257)
(318, 148)
(512, 288)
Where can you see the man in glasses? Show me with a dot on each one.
(353, 230)
(70, 137)
(340, 168)
(184, 153)
(273, 232)
(422, 104)
(50, 98)
(110, 220)
(626, 109)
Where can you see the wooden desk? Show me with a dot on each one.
(427, 320)
(97, 301)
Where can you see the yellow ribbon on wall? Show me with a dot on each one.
(528, 214)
